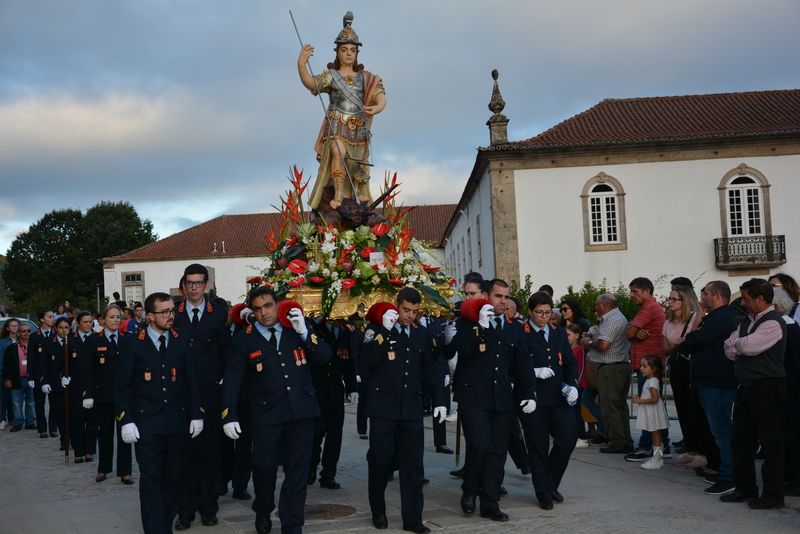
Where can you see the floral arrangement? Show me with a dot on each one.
(360, 260)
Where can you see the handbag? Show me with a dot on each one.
(679, 362)
(591, 375)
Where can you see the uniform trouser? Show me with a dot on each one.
(791, 448)
(82, 427)
(758, 418)
(58, 412)
(288, 444)
(613, 385)
(548, 465)
(159, 459)
(440, 429)
(516, 447)
(361, 414)
(41, 419)
(329, 427)
(236, 462)
(106, 424)
(406, 440)
(200, 478)
(486, 434)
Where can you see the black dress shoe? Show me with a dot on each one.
(495, 515)
(43, 435)
(363, 436)
(223, 489)
(329, 483)
(182, 523)
(241, 495)
(312, 476)
(61, 449)
(426, 481)
(15, 428)
(458, 473)
(738, 497)
(417, 527)
(546, 505)
(100, 478)
(31, 427)
(503, 491)
(380, 522)
(765, 503)
(208, 520)
(127, 481)
(78, 460)
(53, 435)
(611, 449)
(89, 459)
(263, 526)
(445, 450)
(468, 503)
(557, 496)
(525, 470)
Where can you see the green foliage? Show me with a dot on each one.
(522, 293)
(587, 295)
(60, 256)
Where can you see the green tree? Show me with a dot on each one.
(60, 256)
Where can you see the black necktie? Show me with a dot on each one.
(273, 339)
(162, 348)
(541, 333)
(497, 325)
(195, 319)
(113, 339)
(404, 335)
(85, 336)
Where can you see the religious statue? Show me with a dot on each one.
(343, 144)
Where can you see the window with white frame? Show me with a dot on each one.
(604, 214)
(745, 207)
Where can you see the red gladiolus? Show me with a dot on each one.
(297, 282)
(292, 242)
(380, 229)
(316, 279)
(298, 266)
(430, 269)
(396, 281)
(366, 251)
(347, 283)
(254, 280)
(452, 281)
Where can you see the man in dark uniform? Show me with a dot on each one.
(330, 382)
(435, 326)
(52, 369)
(39, 344)
(554, 365)
(400, 355)
(210, 340)
(155, 394)
(488, 344)
(270, 358)
(82, 427)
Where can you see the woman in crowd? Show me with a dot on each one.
(82, 422)
(102, 351)
(50, 379)
(8, 336)
(574, 338)
(572, 313)
(788, 284)
(784, 303)
(555, 318)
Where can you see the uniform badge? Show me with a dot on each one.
(369, 335)
(53, 357)
(259, 367)
(559, 359)
(482, 347)
(174, 375)
(391, 355)
(102, 361)
(148, 376)
(255, 354)
(74, 354)
(102, 349)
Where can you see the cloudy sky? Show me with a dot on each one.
(190, 109)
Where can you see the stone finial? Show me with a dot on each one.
(498, 123)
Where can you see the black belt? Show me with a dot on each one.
(613, 363)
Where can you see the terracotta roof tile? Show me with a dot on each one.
(637, 120)
(244, 235)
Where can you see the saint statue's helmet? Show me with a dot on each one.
(347, 35)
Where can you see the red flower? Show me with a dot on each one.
(254, 280)
(316, 279)
(283, 262)
(380, 229)
(366, 251)
(396, 281)
(347, 266)
(452, 282)
(377, 266)
(292, 242)
(430, 269)
(297, 281)
(347, 283)
(298, 266)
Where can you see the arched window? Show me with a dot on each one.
(604, 214)
(744, 195)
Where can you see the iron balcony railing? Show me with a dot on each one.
(755, 249)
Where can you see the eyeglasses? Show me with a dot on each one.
(777, 285)
(563, 309)
(165, 313)
(201, 283)
(24, 331)
(542, 313)
(673, 299)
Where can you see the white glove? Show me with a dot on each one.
(88, 403)
(354, 398)
(195, 427)
(65, 380)
(298, 321)
(485, 315)
(446, 380)
(46, 388)
(528, 405)
(232, 430)
(449, 333)
(389, 318)
(358, 379)
(220, 381)
(572, 396)
(130, 434)
(31, 384)
(440, 412)
(544, 372)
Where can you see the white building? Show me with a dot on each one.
(233, 248)
(702, 186)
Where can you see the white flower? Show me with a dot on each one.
(326, 273)
(349, 235)
(335, 276)
(327, 247)
(331, 261)
(382, 268)
(337, 286)
(330, 236)
(376, 279)
(401, 257)
(313, 266)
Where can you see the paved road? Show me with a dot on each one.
(603, 493)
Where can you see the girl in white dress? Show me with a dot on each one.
(652, 414)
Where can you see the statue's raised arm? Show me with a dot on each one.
(343, 144)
